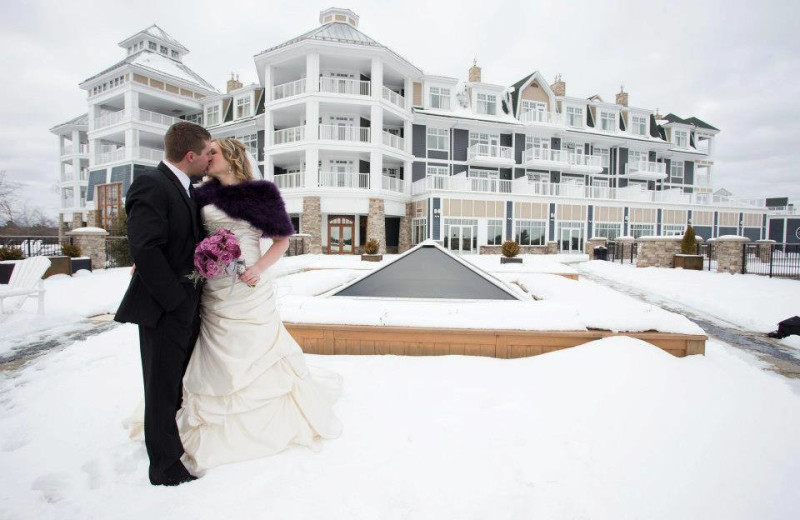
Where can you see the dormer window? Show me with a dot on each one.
(608, 121)
(638, 125)
(440, 98)
(175, 54)
(212, 115)
(575, 117)
(487, 104)
(152, 46)
(164, 50)
(242, 107)
(681, 138)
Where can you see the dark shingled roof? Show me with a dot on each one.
(654, 132)
(516, 93)
(672, 118)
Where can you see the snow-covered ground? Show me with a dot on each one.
(608, 430)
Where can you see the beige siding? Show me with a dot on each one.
(420, 209)
(571, 212)
(535, 92)
(156, 84)
(728, 219)
(172, 88)
(674, 216)
(608, 214)
(140, 79)
(703, 218)
(530, 210)
(417, 94)
(643, 216)
(752, 220)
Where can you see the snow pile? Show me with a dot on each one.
(530, 264)
(611, 429)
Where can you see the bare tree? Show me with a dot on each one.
(8, 196)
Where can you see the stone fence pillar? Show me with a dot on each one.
(376, 224)
(659, 251)
(311, 224)
(728, 250)
(765, 250)
(404, 240)
(92, 241)
(594, 242)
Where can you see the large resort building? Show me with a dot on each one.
(363, 144)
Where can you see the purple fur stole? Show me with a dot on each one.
(257, 202)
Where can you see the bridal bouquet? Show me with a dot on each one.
(218, 254)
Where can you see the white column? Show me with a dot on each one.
(76, 141)
(375, 170)
(408, 175)
(408, 129)
(268, 83)
(408, 91)
(61, 146)
(377, 78)
(131, 142)
(269, 168)
(132, 104)
(312, 120)
(312, 167)
(376, 156)
(312, 72)
(269, 130)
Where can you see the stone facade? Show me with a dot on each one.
(376, 224)
(658, 251)
(93, 219)
(92, 242)
(404, 241)
(311, 224)
(728, 250)
(299, 244)
(594, 242)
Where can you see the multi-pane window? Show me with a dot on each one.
(542, 143)
(419, 230)
(676, 172)
(440, 98)
(152, 46)
(608, 230)
(212, 115)
(438, 139)
(681, 138)
(575, 117)
(175, 54)
(250, 143)
(671, 230)
(164, 50)
(242, 107)
(83, 197)
(634, 157)
(494, 232)
(638, 125)
(608, 121)
(603, 153)
(487, 104)
(530, 232)
(195, 118)
(437, 170)
(642, 230)
(487, 139)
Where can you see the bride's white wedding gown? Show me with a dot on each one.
(247, 390)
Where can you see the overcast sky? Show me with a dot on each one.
(733, 64)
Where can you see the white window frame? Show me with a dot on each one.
(680, 138)
(674, 168)
(439, 97)
(638, 230)
(604, 154)
(419, 229)
(485, 102)
(634, 156)
(250, 142)
(541, 143)
(484, 138)
(212, 115)
(437, 170)
(492, 225)
(672, 230)
(439, 138)
(609, 230)
(164, 50)
(640, 127)
(608, 117)
(571, 113)
(240, 103)
(529, 224)
(152, 46)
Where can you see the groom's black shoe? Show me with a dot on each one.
(174, 475)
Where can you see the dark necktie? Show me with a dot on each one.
(191, 191)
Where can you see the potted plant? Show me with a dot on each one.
(510, 251)
(9, 256)
(371, 251)
(77, 262)
(688, 257)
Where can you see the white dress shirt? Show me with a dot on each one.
(182, 177)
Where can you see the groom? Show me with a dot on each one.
(163, 228)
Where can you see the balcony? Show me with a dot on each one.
(542, 157)
(646, 170)
(343, 180)
(148, 154)
(344, 133)
(395, 141)
(109, 119)
(107, 155)
(289, 135)
(393, 97)
(393, 184)
(82, 149)
(490, 155)
(582, 163)
(147, 116)
(541, 116)
(288, 181)
(293, 88)
(352, 87)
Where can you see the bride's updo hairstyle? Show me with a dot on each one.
(234, 152)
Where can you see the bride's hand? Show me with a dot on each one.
(251, 275)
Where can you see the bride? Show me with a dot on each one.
(247, 391)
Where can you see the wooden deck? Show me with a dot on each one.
(410, 341)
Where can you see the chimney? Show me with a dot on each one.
(234, 83)
(622, 97)
(475, 72)
(558, 87)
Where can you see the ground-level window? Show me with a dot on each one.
(530, 232)
(494, 232)
(671, 230)
(461, 234)
(642, 230)
(419, 230)
(608, 230)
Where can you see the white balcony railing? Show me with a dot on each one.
(108, 156)
(344, 180)
(395, 141)
(647, 167)
(489, 185)
(289, 135)
(352, 87)
(577, 159)
(490, 151)
(82, 149)
(393, 184)
(109, 119)
(393, 97)
(541, 154)
(293, 88)
(344, 133)
(541, 116)
(702, 180)
(148, 154)
(154, 117)
(84, 174)
(286, 181)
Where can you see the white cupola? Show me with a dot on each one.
(336, 14)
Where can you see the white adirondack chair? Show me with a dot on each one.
(25, 282)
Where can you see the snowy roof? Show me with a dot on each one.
(159, 33)
(429, 271)
(692, 121)
(81, 120)
(155, 62)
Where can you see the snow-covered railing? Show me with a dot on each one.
(344, 133)
(344, 86)
(541, 116)
(154, 117)
(393, 97)
(287, 181)
(289, 135)
(109, 119)
(293, 88)
(343, 180)
(393, 184)
(395, 141)
(490, 150)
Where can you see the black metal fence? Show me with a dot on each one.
(33, 245)
(622, 252)
(709, 253)
(774, 259)
(118, 253)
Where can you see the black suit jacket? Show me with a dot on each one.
(163, 228)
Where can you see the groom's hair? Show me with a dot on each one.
(183, 137)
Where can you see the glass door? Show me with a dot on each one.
(571, 239)
(341, 230)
